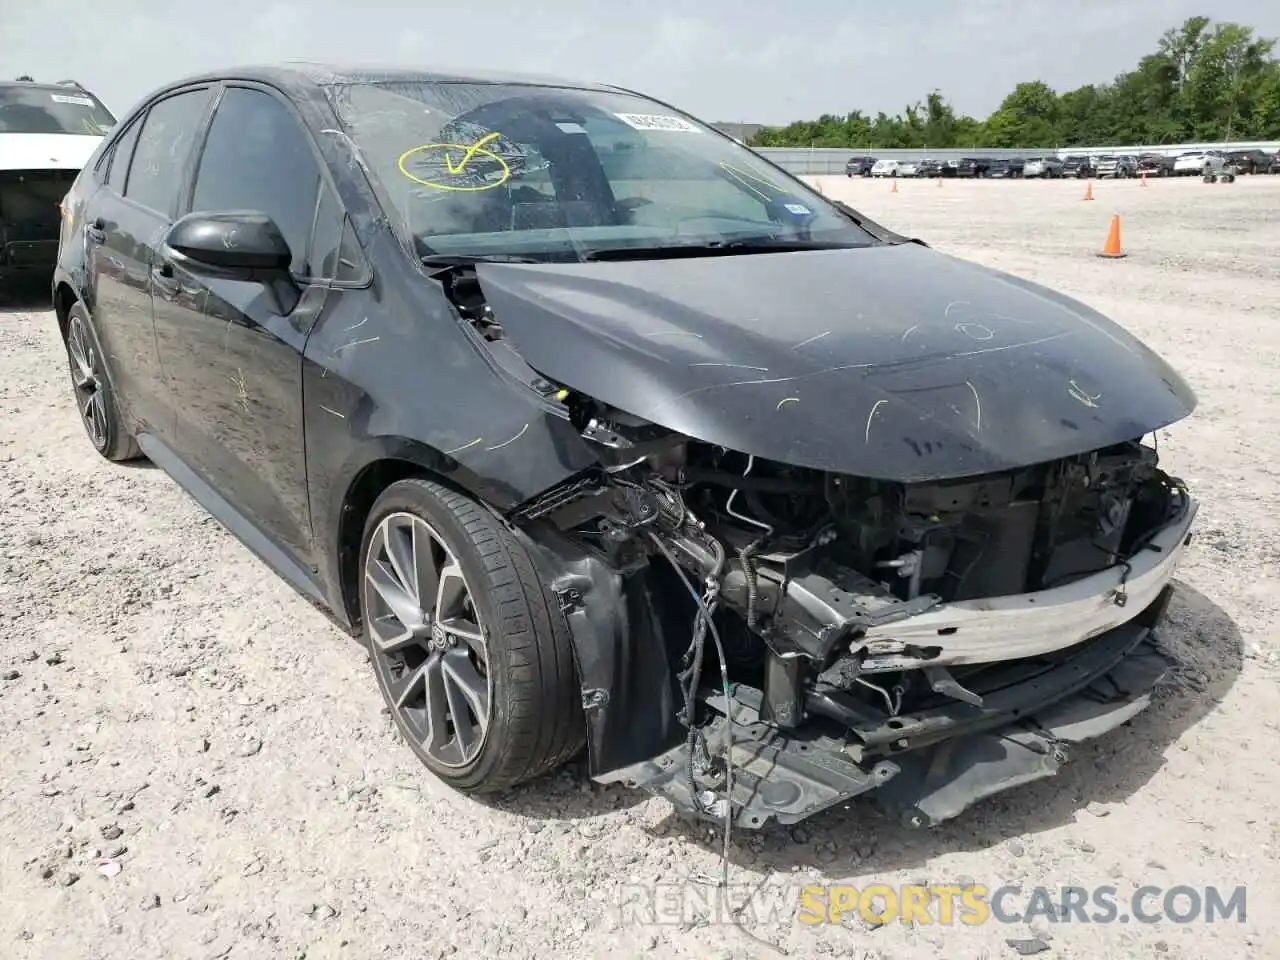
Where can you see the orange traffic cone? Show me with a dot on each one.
(895, 187)
(1144, 178)
(1111, 249)
(939, 179)
(1088, 191)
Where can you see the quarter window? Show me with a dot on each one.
(335, 252)
(258, 157)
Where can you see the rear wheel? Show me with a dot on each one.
(95, 401)
(472, 655)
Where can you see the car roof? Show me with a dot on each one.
(303, 73)
(42, 87)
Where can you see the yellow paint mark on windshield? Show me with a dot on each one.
(467, 157)
(460, 169)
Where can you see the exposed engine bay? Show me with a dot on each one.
(846, 631)
(29, 218)
(808, 576)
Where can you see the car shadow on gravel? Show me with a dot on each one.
(565, 794)
(859, 838)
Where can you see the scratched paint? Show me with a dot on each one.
(814, 339)
(242, 390)
(866, 434)
(1076, 392)
(977, 402)
(738, 366)
(499, 446)
(356, 343)
(974, 330)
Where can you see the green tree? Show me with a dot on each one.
(1224, 78)
(1027, 117)
(1203, 81)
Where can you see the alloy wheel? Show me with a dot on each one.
(87, 379)
(427, 640)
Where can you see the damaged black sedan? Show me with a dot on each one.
(601, 430)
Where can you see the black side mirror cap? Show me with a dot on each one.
(234, 241)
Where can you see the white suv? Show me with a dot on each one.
(47, 133)
(1187, 164)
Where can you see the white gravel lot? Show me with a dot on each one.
(195, 763)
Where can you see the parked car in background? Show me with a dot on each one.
(950, 168)
(47, 132)
(1118, 166)
(1195, 162)
(972, 167)
(859, 166)
(929, 168)
(427, 390)
(1049, 168)
(1079, 166)
(1005, 169)
(909, 168)
(885, 168)
(1155, 165)
(1274, 165)
(1249, 161)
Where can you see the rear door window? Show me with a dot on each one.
(164, 145)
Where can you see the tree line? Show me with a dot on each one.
(1205, 81)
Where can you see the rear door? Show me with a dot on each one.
(232, 348)
(123, 224)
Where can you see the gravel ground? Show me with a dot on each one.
(198, 764)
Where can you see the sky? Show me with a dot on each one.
(746, 60)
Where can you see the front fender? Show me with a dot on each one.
(623, 641)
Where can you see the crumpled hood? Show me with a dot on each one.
(892, 362)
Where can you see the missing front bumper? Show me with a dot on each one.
(957, 754)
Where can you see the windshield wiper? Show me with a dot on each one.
(466, 260)
(718, 247)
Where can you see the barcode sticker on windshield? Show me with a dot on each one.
(799, 209)
(654, 121)
(62, 98)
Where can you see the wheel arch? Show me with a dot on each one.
(64, 298)
(397, 461)
(617, 623)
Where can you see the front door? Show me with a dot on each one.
(232, 348)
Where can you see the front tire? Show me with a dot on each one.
(472, 655)
(95, 401)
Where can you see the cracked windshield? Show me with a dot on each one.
(541, 173)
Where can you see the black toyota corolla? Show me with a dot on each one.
(601, 430)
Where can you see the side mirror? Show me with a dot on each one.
(237, 241)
